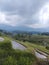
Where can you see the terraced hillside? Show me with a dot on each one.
(23, 53)
(9, 56)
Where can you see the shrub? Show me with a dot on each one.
(10, 61)
(47, 47)
(5, 45)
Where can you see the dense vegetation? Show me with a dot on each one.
(47, 47)
(36, 39)
(40, 42)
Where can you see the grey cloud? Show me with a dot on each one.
(24, 8)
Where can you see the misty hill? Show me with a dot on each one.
(22, 28)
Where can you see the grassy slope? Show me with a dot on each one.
(32, 46)
(8, 56)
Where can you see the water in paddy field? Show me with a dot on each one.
(1, 39)
(38, 55)
(16, 45)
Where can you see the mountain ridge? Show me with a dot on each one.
(22, 28)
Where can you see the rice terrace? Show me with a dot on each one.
(24, 32)
(24, 49)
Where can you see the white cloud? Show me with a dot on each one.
(2, 17)
(44, 14)
(12, 20)
(41, 17)
(38, 25)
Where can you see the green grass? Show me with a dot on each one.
(32, 46)
(27, 45)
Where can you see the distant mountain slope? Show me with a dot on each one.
(22, 28)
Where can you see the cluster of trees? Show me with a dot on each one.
(30, 38)
(24, 37)
(45, 33)
(47, 47)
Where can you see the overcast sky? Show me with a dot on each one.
(30, 13)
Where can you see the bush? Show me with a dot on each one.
(47, 47)
(6, 45)
(10, 61)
